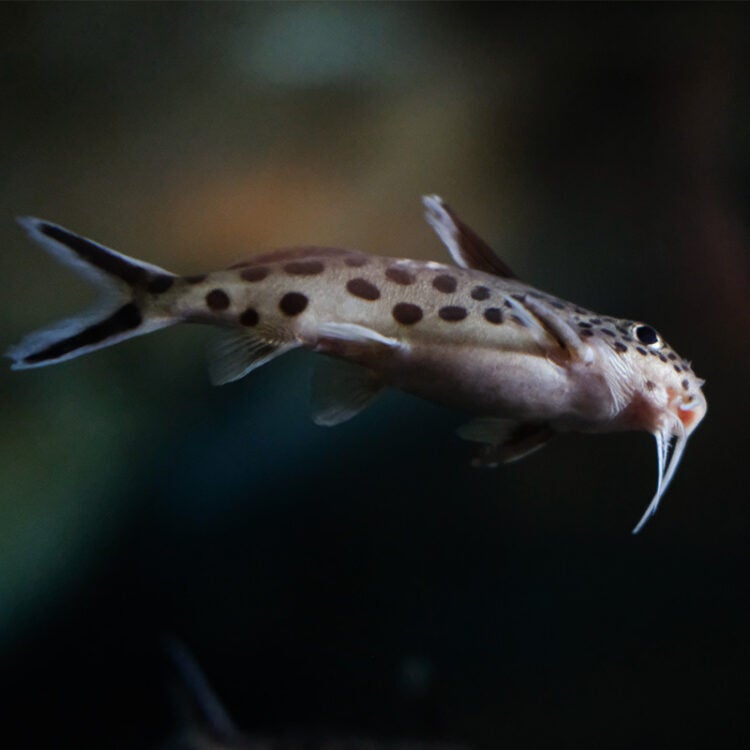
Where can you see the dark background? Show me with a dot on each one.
(364, 581)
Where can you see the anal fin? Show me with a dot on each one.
(504, 440)
(340, 390)
(236, 353)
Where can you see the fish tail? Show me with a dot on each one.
(129, 303)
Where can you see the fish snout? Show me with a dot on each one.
(689, 408)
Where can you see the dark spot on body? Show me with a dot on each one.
(508, 304)
(607, 332)
(620, 347)
(662, 357)
(641, 350)
(362, 288)
(250, 317)
(671, 356)
(254, 273)
(685, 384)
(493, 315)
(677, 368)
(584, 324)
(304, 267)
(558, 305)
(406, 313)
(217, 299)
(480, 293)
(452, 313)
(160, 284)
(196, 279)
(293, 303)
(355, 261)
(587, 332)
(650, 385)
(445, 283)
(595, 321)
(399, 275)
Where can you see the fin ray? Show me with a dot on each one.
(341, 390)
(352, 333)
(237, 353)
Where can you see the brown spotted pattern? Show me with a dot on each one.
(363, 289)
(452, 313)
(249, 317)
(407, 314)
(293, 303)
(217, 299)
(254, 273)
(445, 283)
(400, 275)
(394, 280)
(493, 315)
(304, 267)
(480, 293)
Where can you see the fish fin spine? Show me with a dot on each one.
(465, 246)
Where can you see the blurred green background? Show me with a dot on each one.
(364, 580)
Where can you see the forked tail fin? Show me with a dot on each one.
(128, 289)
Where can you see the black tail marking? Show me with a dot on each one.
(125, 319)
(96, 255)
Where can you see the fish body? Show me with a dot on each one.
(471, 336)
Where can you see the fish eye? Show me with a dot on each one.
(647, 335)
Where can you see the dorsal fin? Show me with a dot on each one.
(467, 249)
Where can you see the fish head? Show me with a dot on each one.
(662, 396)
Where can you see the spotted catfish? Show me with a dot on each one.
(526, 364)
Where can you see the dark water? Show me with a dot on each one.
(363, 581)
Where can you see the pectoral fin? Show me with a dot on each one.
(504, 440)
(340, 390)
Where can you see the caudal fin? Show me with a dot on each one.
(127, 288)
